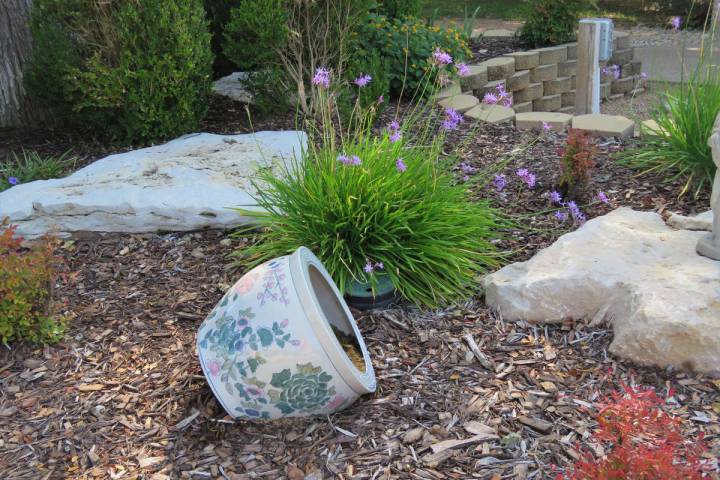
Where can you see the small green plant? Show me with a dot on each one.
(576, 161)
(551, 22)
(679, 146)
(135, 70)
(31, 165)
(369, 204)
(26, 282)
(399, 8)
(408, 45)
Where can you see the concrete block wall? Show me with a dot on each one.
(544, 79)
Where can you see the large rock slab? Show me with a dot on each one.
(631, 270)
(186, 184)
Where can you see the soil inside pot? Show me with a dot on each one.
(351, 347)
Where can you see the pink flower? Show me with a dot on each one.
(284, 323)
(214, 368)
(546, 126)
(246, 283)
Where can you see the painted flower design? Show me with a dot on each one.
(246, 283)
(306, 390)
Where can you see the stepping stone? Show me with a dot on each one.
(552, 55)
(477, 78)
(522, 107)
(491, 113)
(544, 73)
(499, 68)
(630, 270)
(568, 99)
(525, 60)
(571, 51)
(567, 69)
(518, 81)
(449, 90)
(532, 92)
(498, 33)
(621, 40)
(190, 183)
(558, 85)
(557, 121)
(623, 85)
(601, 125)
(548, 103)
(460, 103)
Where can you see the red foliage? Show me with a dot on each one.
(576, 160)
(645, 443)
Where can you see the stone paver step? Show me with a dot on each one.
(475, 79)
(601, 125)
(460, 103)
(491, 113)
(557, 121)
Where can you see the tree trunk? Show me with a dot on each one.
(16, 109)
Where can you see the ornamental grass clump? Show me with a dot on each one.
(370, 204)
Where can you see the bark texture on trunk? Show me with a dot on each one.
(16, 109)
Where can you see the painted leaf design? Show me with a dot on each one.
(279, 380)
(266, 336)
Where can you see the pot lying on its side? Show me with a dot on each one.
(268, 349)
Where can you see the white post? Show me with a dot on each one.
(587, 94)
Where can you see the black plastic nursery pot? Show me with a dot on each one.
(360, 295)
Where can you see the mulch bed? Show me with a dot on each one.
(123, 396)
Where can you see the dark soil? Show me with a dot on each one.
(487, 48)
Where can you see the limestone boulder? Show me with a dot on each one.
(632, 271)
(189, 183)
(233, 86)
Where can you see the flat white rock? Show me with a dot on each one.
(233, 86)
(186, 184)
(701, 221)
(631, 270)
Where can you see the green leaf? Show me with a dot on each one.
(266, 336)
(279, 380)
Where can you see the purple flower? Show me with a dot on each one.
(379, 266)
(527, 177)
(467, 168)
(345, 160)
(452, 119)
(441, 58)
(523, 172)
(560, 215)
(400, 165)
(394, 125)
(394, 129)
(322, 77)
(502, 93)
(381, 99)
(490, 98)
(368, 267)
(546, 126)
(644, 75)
(463, 69)
(613, 70)
(676, 22)
(363, 80)
(355, 160)
(603, 198)
(508, 102)
(395, 136)
(555, 197)
(465, 178)
(13, 180)
(580, 218)
(499, 182)
(575, 212)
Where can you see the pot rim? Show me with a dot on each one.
(300, 262)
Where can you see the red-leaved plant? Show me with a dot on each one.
(644, 443)
(26, 281)
(576, 160)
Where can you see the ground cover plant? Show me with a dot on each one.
(26, 283)
(31, 165)
(133, 70)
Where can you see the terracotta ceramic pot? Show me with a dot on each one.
(268, 349)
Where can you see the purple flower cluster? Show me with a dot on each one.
(675, 23)
(362, 80)
(452, 119)
(499, 182)
(467, 169)
(321, 78)
(462, 69)
(441, 58)
(603, 198)
(500, 95)
(613, 70)
(527, 177)
(371, 267)
(13, 180)
(394, 131)
(555, 197)
(546, 127)
(353, 160)
(400, 165)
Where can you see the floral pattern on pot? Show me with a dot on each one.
(274, 288)
(306, 390)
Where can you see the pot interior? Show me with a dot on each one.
(335, 315)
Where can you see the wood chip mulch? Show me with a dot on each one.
(123, 396)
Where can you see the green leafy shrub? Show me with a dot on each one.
(408, 45)
(399, 8)
(551, 22)
(137, 70)
(370, 97)
(26, 278)
(679, 147)
(295, 37)
(30, 165)
(370, 204)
